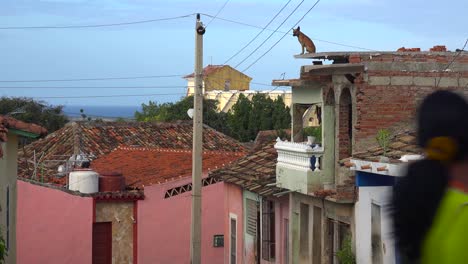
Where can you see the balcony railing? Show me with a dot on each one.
(299, 166)
(299, 155)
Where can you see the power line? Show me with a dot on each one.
(103, 96)
(259, 33)
(94, 87)
(454, 58)
(276, 43)
(92, 79)
(284, 21)
(285, 32)
(219, 11)
(99, 25)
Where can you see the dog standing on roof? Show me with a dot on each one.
(305, 41)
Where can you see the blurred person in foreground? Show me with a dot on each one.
(430, 204)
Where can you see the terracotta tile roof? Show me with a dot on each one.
(254, 171)
(7, 122)
(100, 139)
(147, 166)
(401, 144)
(210, 69)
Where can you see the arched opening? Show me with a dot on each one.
(345, 131)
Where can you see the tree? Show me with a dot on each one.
(32, 111)
(168, 112)
(239, 119)
(247, 118)
(242, 122)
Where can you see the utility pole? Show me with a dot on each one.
(195, 234)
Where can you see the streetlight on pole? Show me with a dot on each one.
(195, 234)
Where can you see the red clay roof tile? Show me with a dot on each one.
(167, 145)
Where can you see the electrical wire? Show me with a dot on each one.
(95, 87)
(276, 43)
(285, 32)
(277, 28)
(453, 60)
(92, 79)
(219, 11)
(259, 33)
(99, 25)
(103, 96)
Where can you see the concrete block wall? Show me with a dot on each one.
(389, 92)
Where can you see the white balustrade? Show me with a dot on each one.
(298, 155)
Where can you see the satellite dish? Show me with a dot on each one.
(190, 113)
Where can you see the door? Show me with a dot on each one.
(102, 243)
(376, 237)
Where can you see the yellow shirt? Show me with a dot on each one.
(447, 240)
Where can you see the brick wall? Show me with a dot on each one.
(344, 133)
(393, 86)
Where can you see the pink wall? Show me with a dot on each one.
(233, 205)
(164, 224)
(281, 214)
(53, 226)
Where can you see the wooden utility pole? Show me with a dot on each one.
(195, 234)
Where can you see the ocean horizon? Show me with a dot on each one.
(97, 111)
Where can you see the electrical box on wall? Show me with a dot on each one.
(218, 241)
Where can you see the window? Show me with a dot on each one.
(337, 232)
(227, 85)
(233, 240)
(7, 218)
(268, 230)
(251, 214)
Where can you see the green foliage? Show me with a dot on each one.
(315, 132)
(32, 111)
(3, 252)
(242, 122)
(247, 118)
(383, 138)
(345, 255)
(239, 119)
(168, 112)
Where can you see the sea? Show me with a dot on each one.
(103, 112)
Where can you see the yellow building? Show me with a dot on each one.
(220, 77)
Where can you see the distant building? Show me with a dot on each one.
(220, 77)
(226, 99)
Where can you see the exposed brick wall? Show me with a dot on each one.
(389, 98)
(344, 129)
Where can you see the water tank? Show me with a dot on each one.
(84, 181)
(111, 182)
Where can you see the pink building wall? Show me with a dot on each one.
(53, 226)
(281, 216)
(164, 224)
(233, 201)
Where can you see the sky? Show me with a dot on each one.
(167, 47)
